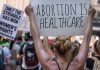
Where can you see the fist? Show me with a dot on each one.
(29, 10)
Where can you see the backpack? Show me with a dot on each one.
(1, 59)
(31, 59)
(96, 63)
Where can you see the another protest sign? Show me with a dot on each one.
(61, 17)
(9, 21)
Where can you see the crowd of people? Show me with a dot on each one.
(63, 53)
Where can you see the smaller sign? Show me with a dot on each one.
(10, 21)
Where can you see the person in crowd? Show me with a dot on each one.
(74, 48)
(28, 55)
(18, 44)
(4, 55)
(59, 62)
(93, 63)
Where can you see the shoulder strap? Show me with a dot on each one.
(2, 52)
(68, 66)
(55, 59)
(21, 49)
(26, 43)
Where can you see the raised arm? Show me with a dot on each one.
(40, 51)
(83, 52)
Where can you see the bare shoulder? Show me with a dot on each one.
(51, 65)
(75, 65)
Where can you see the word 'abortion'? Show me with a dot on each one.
(61, 9)
(61, 15)
(11, 14)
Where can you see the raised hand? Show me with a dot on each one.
(91, 11)
(29, 10)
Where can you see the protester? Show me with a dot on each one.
(73, 49)
(28, 55)
(4, 55)
(59, 62)
(93, 63)
(18, 44)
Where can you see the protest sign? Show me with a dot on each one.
(9, 21)
(60, 17)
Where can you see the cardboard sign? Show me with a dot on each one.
(9, 21)
(61, 17)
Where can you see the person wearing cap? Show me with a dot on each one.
(23, 51)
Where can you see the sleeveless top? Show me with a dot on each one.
(55, 59)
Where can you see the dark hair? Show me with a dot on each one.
(5, 40)
(19, 38)
(28, 36)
